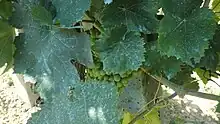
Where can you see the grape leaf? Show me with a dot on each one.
(184, 79)
(218, 108)
(140, 90)
(215, 43)
(185, 30)
(96, 8)
(128, 117)
(7, 47)
(5, 9)
(45, 53)
(121, 51)
(137, 15)
(87, 103)
(152, 117)
(19, 16)
(70, 11)
(216, 8)
(41, 14)
(204, 75)
(209, 61)
(132, 98)
(48, 5)
(158, 63)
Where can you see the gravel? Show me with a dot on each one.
(12, 109)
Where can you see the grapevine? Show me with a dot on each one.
(104, 61)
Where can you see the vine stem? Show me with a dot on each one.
(180, 90)
(206, 3)
(147, 110)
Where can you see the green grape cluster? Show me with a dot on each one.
(120, 80)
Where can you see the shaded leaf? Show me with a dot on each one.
(137, 15)
(5, 9)
(19, 17)
(215, 43)
(184, 79)
(159, 64)
(218, 108)
(210, 60)
(41, 14)
(121, 51)
(96, 8)
(185, 30)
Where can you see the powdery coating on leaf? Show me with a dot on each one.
(121, 51)
(70, 11)
(92, 103)
(132, 99)
(186, 37)
(45, 53)
(137, 15)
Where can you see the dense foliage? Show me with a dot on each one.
(95, 61)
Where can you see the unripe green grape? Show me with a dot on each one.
(98, 65)
(119, 84)
(135, 73)
(128, 73)
(96, 73)
(111, 78)
(102, 73)
(124, 81)
(123, 75)
(100, 77)
(106, 78)
(117, 78)
(120, 90)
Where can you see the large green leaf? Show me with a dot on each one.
(89, 103)
(185, 30)
(5, 8)
(216, 8)
(45, 53)
(159, 64)
(121, 51)
(70, 11)
(137, 15)
(7, 47)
